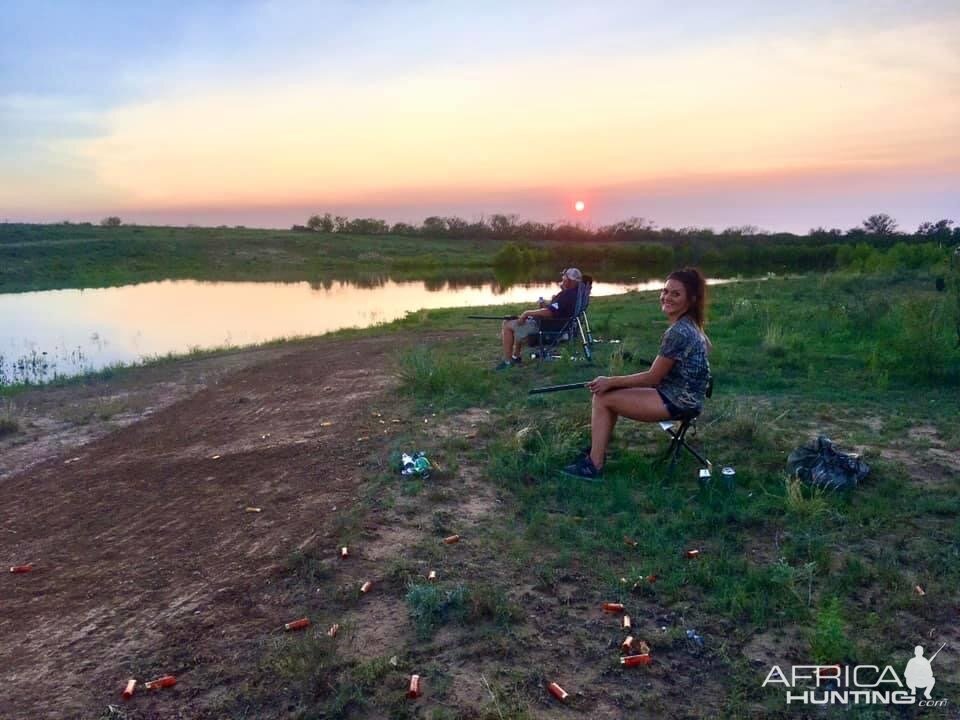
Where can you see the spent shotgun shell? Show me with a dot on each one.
(344, 552)
(626, 647)
(693, 554)
(162, 682)
(432, 577)
(19, 569)
(612, 607)
(297, 624)
(365, 588)
(558, 692)
(415, 689)
(633, 660)
(128, 690)
(451, 539)
(626, 622)
(334, 629)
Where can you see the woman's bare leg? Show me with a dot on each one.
(643, 404)
(506, 333)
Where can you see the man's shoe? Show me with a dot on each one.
(583, 469)
(504, 365)
(516, 360)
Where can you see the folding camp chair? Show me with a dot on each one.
(678, 438)
(554, 331)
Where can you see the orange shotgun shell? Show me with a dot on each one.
(334, 629)
(651, 579)
(163, 682)
(365, 588)
(626, 622)
(451, 540)
(415, 690)
(558, 692)
(17, 569)
(629, 542)
(344, 553)
(128, 690)
(632, 660)
(297, 624)
(612, 607)
(691, 554)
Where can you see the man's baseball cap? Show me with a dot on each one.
(573, 274)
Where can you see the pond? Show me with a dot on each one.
(69, 332)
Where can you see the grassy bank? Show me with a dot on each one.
(785, 574)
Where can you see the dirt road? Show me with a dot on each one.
(146, 561)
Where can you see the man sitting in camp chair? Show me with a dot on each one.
(563, 305)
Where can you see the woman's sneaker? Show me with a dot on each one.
(583, 469)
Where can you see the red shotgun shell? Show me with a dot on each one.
(163, 682)
(691, 554)
(558, 692)
(632, 660)
(297, 624)
(452, 539)
(612, 607)
(128, 690)
(415, 690)
(17, 569)
(344, 553)
(365, 588)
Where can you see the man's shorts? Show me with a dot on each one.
(522, 332)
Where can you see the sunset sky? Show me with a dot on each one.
(784, 115)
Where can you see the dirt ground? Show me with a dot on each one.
(130, 500)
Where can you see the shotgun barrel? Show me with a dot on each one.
(557, 388)
(492, 317)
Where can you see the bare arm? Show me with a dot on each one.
(649, 378)
(541, 313)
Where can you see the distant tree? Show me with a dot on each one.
(321, 223)
(503, 225)
(938, 232)
(111, 221)
(402, 228)
(822, 234)
(881, 224)
(340, 223)
(434, 226)
(456, 227)
(741, 231)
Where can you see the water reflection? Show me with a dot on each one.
(67, 332)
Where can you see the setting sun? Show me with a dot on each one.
(579, 206)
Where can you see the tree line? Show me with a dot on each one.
(880, 230)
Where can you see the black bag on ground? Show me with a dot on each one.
(821, 465)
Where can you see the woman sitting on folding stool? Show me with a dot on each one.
(675, 385)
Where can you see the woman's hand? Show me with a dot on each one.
(600, 384)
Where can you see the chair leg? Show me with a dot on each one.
(587, 350)
(678, 440)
